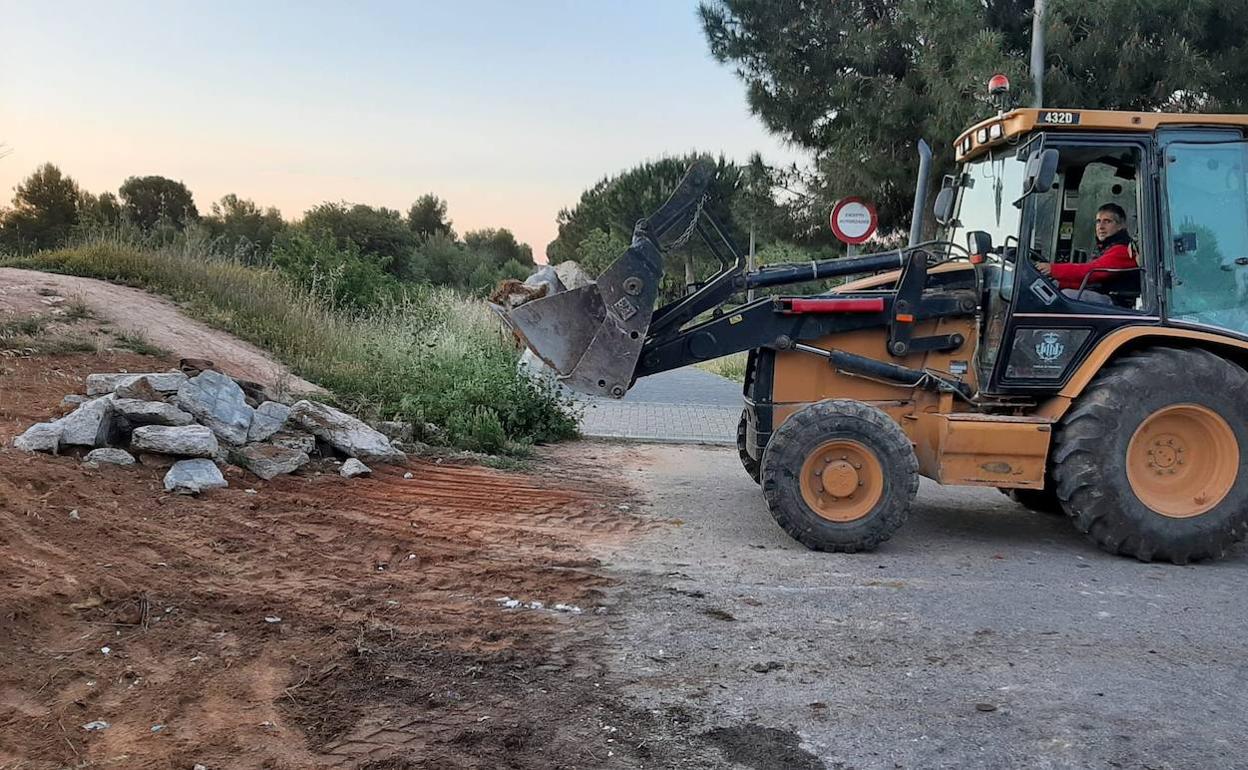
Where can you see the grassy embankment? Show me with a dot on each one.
(433, 358)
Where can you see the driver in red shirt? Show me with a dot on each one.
(1114, 252)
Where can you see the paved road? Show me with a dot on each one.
(685, 406)
(980, 636)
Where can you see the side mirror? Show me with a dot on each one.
(979, 242)
(1041, 171)
(943, 208)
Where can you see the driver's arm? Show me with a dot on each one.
(1071, 275)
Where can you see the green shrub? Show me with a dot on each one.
(478, 429)
(339, 274)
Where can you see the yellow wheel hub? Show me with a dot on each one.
(842, 480)
(1183, 460)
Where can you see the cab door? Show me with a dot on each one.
(1206, 190)
(1048, 332)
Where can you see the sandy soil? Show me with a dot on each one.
(305, 622)
(159, 320)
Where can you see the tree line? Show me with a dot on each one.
(360, 255)
(355, 254)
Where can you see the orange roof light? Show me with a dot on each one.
(998, 85)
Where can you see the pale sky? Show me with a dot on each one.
(508, 110)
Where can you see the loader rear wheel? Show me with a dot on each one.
(752, 466)
(1152, 460)
(840, 476)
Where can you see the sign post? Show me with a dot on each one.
(853, 221)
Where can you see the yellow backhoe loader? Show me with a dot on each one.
(1122, 401)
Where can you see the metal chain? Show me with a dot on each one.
(693, 225)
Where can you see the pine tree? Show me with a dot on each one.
(857, 82)
(45, 211)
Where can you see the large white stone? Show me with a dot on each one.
(548, 276)
(343, 432)
(109, 455)
(536, 369)
(141, 389)
(352, 468)
(89, 424)
(571, 275)
(164, 382)
(269, 418)
(395, 430)
(190, 477)
(182, 441)
(303, 442)
(150, 412)
(40, 437)
(269, 460)
(216, 401)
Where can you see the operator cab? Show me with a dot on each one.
(1191, 270)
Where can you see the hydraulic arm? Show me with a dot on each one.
(600, 338)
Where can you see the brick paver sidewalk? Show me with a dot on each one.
(685, 406)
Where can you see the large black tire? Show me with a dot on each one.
(881, 468)
(752, 466)
(1102, 471)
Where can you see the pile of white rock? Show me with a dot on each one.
(195, 424)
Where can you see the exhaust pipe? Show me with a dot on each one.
(921, 185)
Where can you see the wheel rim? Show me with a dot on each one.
(842, 480)
(1183, 461)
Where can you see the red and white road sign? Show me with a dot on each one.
(853, 220)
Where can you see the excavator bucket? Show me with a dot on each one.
(592, 336)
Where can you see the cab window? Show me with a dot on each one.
(1207, 191)
(1065, 219)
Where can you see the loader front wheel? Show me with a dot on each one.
(840, 476)
(752, 466)
(1152, 460)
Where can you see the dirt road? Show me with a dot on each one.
(25, 293)
(981, 636)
